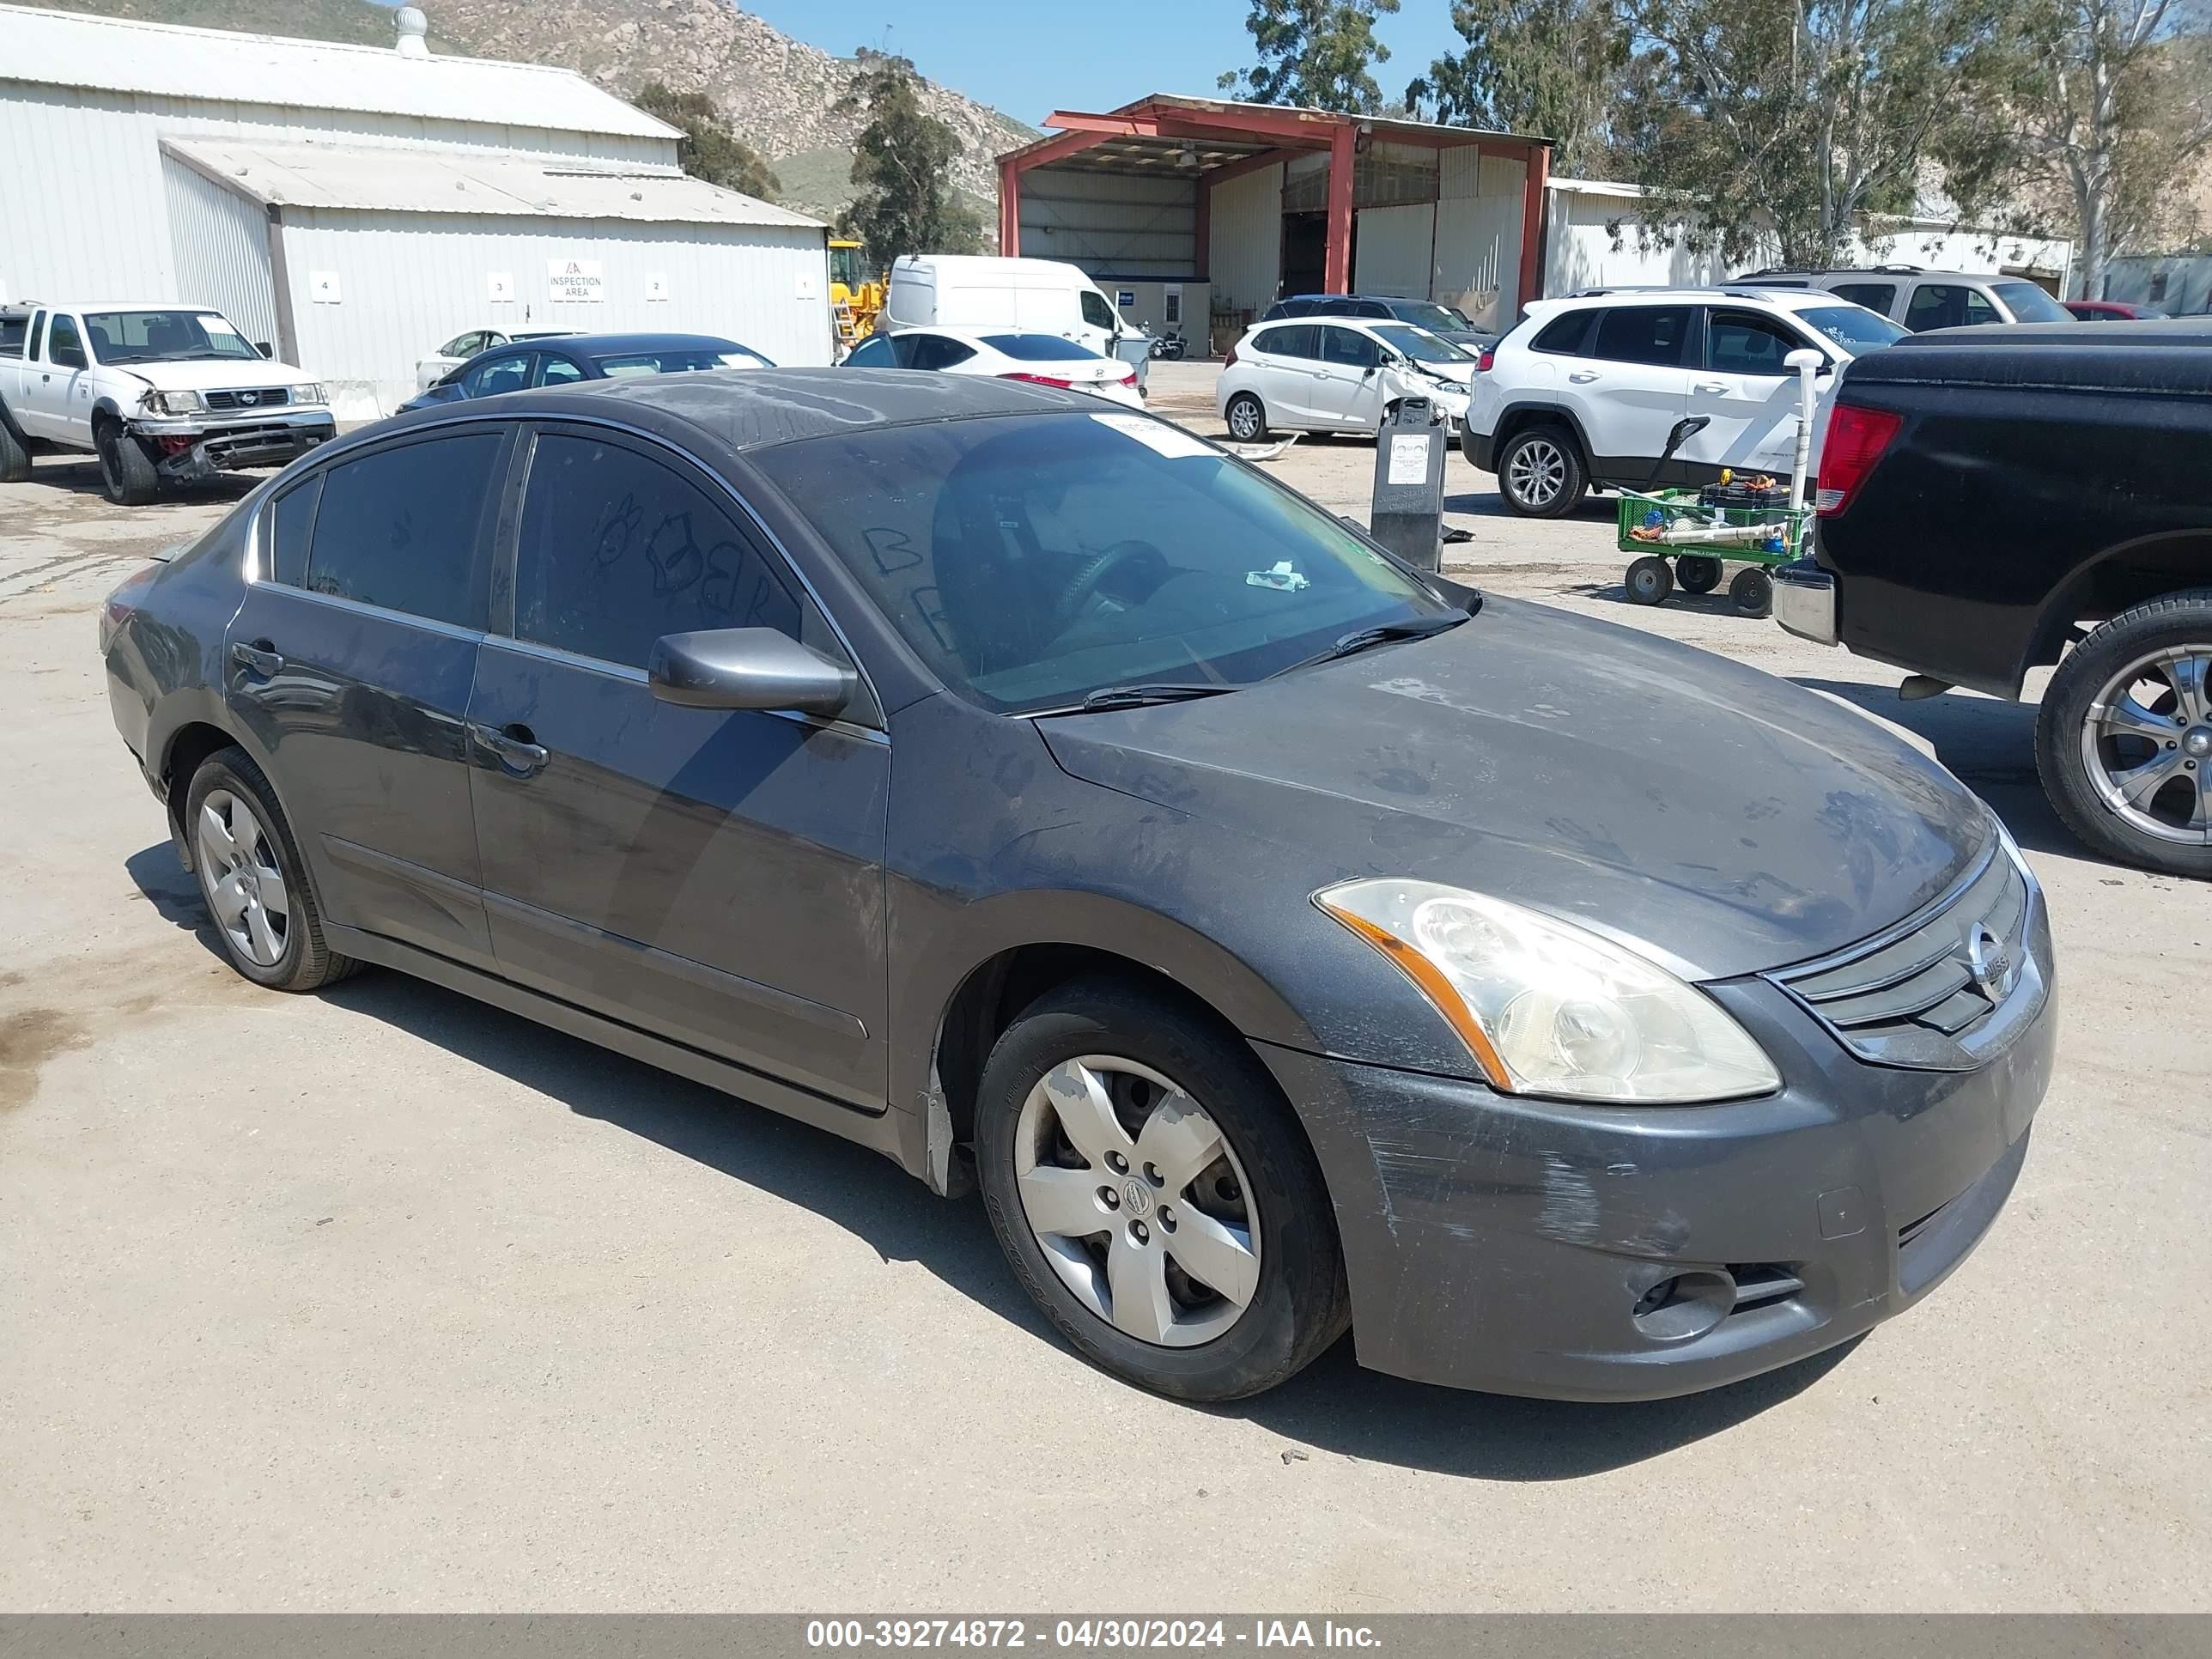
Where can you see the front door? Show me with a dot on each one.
(1748, 397)
(713, 877)
(1099, 326)
(349, 664)
(1348, 379)
(60, 389)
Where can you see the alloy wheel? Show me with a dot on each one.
(1244, 419)
(1138, 1200)
(2147, 744)
(1536, 473)
(239, 876)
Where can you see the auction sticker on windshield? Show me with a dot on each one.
(1171, 441)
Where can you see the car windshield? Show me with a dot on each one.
(1419, 343)
(1422, 315)
(1855, 328)
(165, 336)
(2030, 304)
(1031, 560)
(677, 360)
(1040, 347)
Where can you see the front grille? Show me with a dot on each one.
(274, 397)
(1912, 1230)
(1909, 998)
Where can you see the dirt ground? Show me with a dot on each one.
(381, 1300)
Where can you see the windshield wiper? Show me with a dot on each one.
(1362, 639)
(1136, 696)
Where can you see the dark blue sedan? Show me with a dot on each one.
(584, 357)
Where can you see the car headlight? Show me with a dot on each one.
(311, 392)
(1547, 1008)
(176, 403)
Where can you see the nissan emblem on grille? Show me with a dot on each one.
(1990, 962)
(249, 397)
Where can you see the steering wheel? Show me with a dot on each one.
(1094, 571)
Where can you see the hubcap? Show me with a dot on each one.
(238, 875)
(2147, 740)
(1137, 1200)
(1537, 472)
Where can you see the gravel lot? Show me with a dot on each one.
(382, 1300)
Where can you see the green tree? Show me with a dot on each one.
(902, 163)
(1314, 52)
(1547, 67)
(1780, 126)
(708, 150)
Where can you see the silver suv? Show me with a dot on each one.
(1922, 300)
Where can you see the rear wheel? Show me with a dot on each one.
(1155, 1196)
(2124, 739)
(1752, 593)
(125, 469)
(1648, 580)
(15, 459)
(1248, 419)
(256, 884)
(1540, 472)
(1697, 573)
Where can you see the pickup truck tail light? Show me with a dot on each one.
(1857, 438)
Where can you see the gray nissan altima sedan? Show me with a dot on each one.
(1282, 940)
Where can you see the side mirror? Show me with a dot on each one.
(1804, 358)
(263, 348)
(748, 668)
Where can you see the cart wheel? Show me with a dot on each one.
(1753, 590)
(1648, 580)
(1697, 573)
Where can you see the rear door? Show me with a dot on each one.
(714, 876)
(1632, 387)
(350, 662)
(1748, 397)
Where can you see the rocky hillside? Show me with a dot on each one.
(775, 91)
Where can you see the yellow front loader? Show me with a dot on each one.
(856, 299)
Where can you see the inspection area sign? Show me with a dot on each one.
(576, 279)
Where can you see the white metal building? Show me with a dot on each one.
(356, 207)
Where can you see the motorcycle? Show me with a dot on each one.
(1169, 346)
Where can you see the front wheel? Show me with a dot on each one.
(126, 471)
(1156, 1197)
(1540, 473)
(1248, 419)
(2124, 739)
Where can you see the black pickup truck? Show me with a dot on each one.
(1994, 500)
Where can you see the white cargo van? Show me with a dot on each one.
(1032, 296)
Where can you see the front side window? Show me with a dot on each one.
(1031, 560)
(1947, 305)
(1434, 318)
(1742, 342)
(1348, 348)
(488, 379)
(403, 527)
(65, 347)
(619, 549)
(1654, 335)
(1858, 331)
(167, 336)
(462, 345)
(1095, 311)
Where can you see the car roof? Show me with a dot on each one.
(1788, 299)
(1884, 270)
(746, 409)
(613, 343)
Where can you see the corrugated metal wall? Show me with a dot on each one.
(1107, 222)
(1478, 264)
(218, 245)
(82, 206)
(1246, 261)
(1579, 251)
(1393, 250)
(407, 281)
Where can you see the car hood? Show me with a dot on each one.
(1717, 819)
(214, 375)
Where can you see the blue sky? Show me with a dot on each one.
(1030, 56)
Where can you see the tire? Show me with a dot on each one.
(251, 854)
(1248, 419)
(14, 459)
(1540, 473)
(2082, 758)
(1131, 1041)
(1696, 573)
(1752, 593)
(1648, 580)
(125, 469)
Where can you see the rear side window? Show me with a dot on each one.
(619, 549)
(937, 351)
(1564, 335)
(1947, 305)
(1298, 340)
(1643, 334)
(1875, 297)
(402, 528)
(555, 371)
(291, 523)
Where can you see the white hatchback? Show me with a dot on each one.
(1337, 375)
(1642, 387)
(1041, 359)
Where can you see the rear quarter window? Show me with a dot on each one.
(1567, 335)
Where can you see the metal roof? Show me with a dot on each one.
(115, 54)
(409, 179)
(1164, 132)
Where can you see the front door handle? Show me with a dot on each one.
(1582, 376)
(259, 658)
(1710, 385)
(516, 746)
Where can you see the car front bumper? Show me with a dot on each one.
(1805, 601)
(192, 450)
(1508, 1244)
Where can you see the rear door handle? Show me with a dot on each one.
(257, 657)
(1710, 385)
(1582, 376)
(516, 746)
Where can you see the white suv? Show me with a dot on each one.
(1585, 393)
(1336, 374)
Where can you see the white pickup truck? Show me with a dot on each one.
(161, 393)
